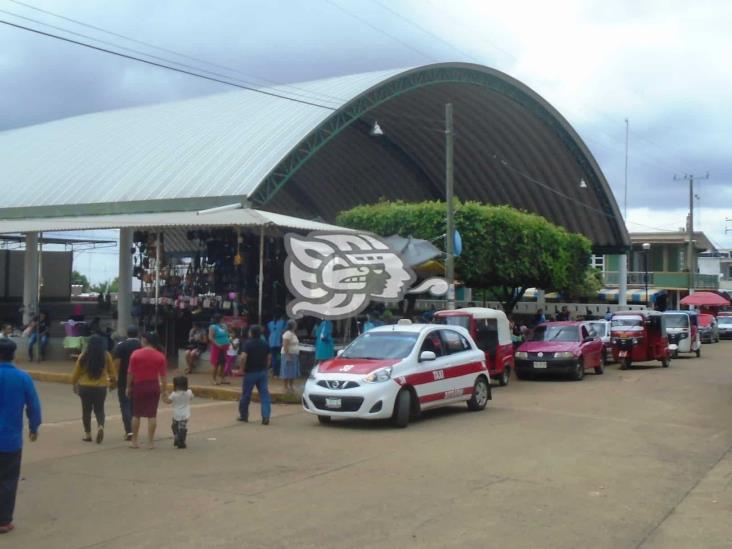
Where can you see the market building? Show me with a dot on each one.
(260, 162)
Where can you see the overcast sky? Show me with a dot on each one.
(664, 65)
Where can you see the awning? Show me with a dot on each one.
(610, 295)
(227, 218)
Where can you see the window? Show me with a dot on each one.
(381, 345)
(598, 262)
(585, 333)
(454, 342)
(555, 333)
(432, 342)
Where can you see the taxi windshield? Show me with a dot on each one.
(454, 320)
(381, 345)
(556, 333)
(627, 323)
(677, 321)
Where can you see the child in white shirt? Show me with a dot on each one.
(232, 352)
(180, 398)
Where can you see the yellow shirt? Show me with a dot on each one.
(81, 376)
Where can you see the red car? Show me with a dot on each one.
(565, 347)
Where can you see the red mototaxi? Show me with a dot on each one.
(490, 330)
(639, 336)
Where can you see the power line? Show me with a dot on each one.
(164, 66)
(170, 51)
(424, 30)
(377, 29)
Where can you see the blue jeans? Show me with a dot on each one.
(252, 379)
(32, 342)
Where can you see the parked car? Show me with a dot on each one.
(601, 329)
(398, 371)
(565, 347)
(724, 325)
(490, 330)
(708, 329)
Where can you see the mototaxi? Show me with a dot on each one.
(682, 328)
(490, 330)
(639, 336)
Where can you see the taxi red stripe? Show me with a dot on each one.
(449, 372)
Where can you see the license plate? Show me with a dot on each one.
(539, 364)
(622, 354)
(332, 402)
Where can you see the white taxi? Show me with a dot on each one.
(396, 372)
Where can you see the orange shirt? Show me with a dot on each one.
(147, 364)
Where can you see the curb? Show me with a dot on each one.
(201, 391)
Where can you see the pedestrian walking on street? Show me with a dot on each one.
(17, 392)
(255, 362)
(218, 337)
(275, 329)
(290, 368)
(121, 356)
(147, 378)
(180, 398)
(93, 374)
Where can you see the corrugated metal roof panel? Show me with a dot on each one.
(218, 145)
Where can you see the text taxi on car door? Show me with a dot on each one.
(396, 372)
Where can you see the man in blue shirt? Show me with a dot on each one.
(16, 393)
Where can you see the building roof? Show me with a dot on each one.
(677, 237)
(315, 157)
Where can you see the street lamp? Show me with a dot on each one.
(646, 249)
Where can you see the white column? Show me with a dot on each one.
(124, 300)
(541, 300)
(30, 277)
(623, 282)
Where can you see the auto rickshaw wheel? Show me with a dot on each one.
(599, 370)
(675, 354)
(505, 376)
(626, 363)
(698, 352)
(666, 362)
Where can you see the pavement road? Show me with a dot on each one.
(636, 458)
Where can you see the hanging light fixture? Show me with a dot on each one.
(582, 184)
(376, 129)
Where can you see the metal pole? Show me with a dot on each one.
(625, 201)
(449, 183)
(691, 235)
(645, 266)
(38, 295)
(261, 274)
(157, 277)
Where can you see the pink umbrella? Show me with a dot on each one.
(705, 299)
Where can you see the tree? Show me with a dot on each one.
(79, 279)
(109, 286)
(505, 250)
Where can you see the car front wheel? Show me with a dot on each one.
(479, 399)
(579, 371)
(402, 409)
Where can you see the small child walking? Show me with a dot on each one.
(232, 352)
(180, 398)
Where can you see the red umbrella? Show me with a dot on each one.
(705, 299)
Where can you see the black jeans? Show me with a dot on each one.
(92, 398)
(9, 475)
(180, 430)
(125, 406)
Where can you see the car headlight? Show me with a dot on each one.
(564, 354)
(379, 375)
(522, 355)
(313, 372)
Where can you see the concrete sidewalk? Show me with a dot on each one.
(199, 381)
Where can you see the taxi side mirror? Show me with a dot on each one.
(426, 356)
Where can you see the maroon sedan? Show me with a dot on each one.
(565, 347)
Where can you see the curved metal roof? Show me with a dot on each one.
(311, 160)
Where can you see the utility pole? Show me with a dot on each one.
(690, 252)
(625, 200)
(449, 184)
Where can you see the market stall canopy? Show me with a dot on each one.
(242, 217)
(705, 299)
